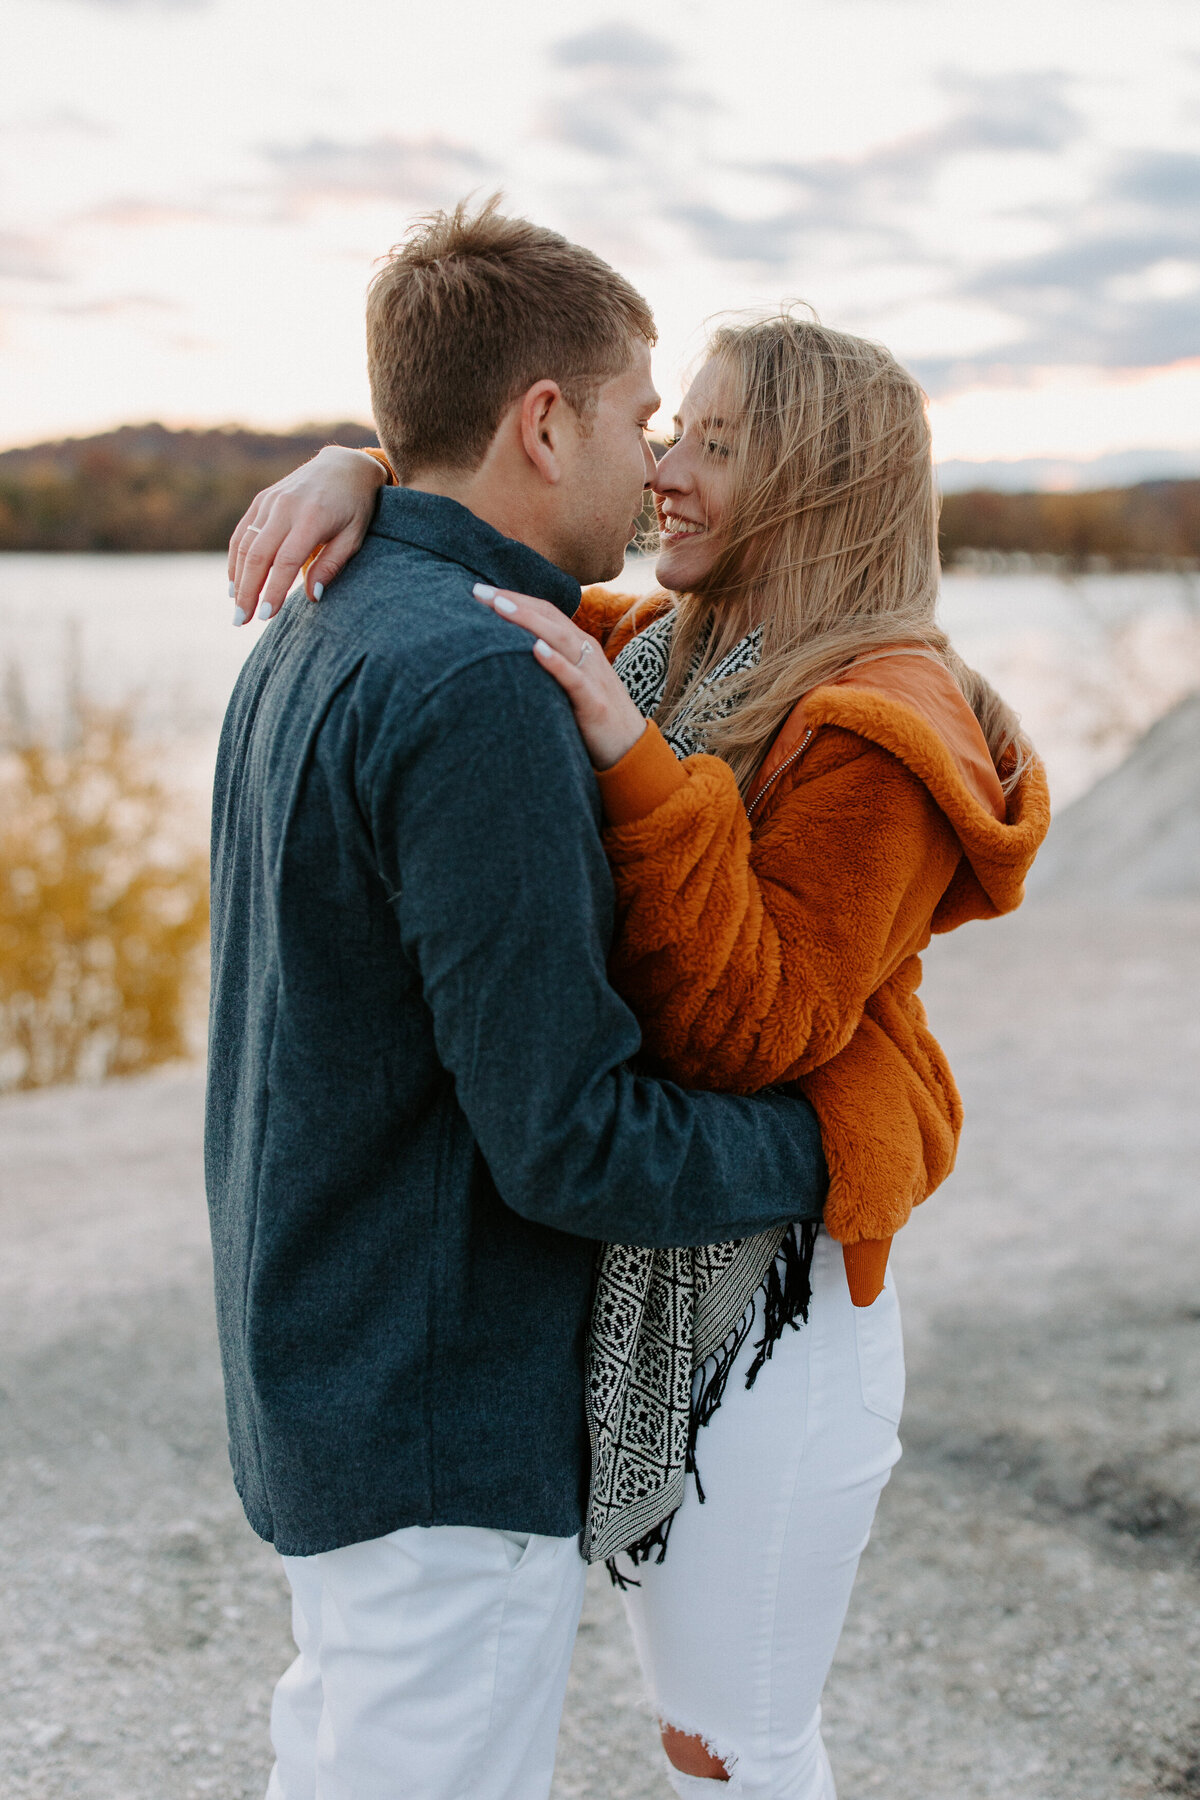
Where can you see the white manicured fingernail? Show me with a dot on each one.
(232, 591)
(542, 647)
(482, 591)
(503, 605)
(318, 590)
(239, 617)
(265, 610)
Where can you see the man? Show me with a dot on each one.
(421, 1109)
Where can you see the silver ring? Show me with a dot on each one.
(586, 650)
(251, 528)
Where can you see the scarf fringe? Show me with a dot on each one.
(786, 1297)
(787, 1294)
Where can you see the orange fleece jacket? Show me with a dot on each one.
(781, 942)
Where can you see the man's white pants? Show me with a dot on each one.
(432, 1666)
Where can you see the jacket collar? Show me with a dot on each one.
(446, 529)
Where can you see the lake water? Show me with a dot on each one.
(1089, 662)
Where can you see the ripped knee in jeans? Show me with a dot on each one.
(693, 1755)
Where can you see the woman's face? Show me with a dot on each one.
(691, 484)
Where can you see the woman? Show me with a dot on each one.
(822, 784)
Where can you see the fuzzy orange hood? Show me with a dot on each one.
(908, 703)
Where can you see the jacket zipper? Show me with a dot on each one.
(786, 764)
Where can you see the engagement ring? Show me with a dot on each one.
(585, 651)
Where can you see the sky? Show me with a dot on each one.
(193, 194)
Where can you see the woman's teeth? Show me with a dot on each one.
(673, 527)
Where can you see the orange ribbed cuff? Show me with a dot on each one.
(866, 1264)
(645, 777)
(380, 456)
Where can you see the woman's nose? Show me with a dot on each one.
(670, 477)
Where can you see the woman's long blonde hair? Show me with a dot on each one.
(830, 537)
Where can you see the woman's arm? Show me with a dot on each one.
(318, 515)
(749, 961)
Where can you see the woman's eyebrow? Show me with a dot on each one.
(701, 424)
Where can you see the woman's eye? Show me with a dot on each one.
(672, 440)
(715, 449)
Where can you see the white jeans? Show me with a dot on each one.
(736, 1629)
(432, 1666)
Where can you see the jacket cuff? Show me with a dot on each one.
(866, 1263)
(380, 457)
(645, 777)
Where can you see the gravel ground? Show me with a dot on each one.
(1027, 1620)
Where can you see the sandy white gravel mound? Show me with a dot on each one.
(1136, 834)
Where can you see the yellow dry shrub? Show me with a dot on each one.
(103, 916)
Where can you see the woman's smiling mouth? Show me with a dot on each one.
(671, 525)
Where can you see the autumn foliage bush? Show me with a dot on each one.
(103, 914)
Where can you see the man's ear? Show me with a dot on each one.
(544, 420)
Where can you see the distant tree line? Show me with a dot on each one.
(1153, 525)
(147, 488)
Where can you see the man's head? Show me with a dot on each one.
(511, 369)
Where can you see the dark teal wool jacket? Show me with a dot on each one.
(421, 1109)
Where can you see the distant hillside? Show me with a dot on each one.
(146, 488)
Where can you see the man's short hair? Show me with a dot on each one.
(472, 309)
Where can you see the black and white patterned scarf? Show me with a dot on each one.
(660, 1315)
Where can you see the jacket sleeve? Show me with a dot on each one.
(381, 457)
(750, 960)
(485, 819)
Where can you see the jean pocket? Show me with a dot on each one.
(516, 1547)
(881, 1354)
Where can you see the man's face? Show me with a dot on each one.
(610, 465)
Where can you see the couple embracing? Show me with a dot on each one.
(568, 1075)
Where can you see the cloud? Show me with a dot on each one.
(429, 171)
(59, 121)
(1116, 286)
(1121, 289)
(26, 259)
(1025, 111)
(301, 176)
(861, 197)
(167, 6)
(614, 46)
(619, 87)
(727, 238)
(1168, 181)
(115, 306)
(132, 212)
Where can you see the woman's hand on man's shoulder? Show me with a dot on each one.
(609, 723)
(313, 520)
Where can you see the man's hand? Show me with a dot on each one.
(320, 511)
(609, 723)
